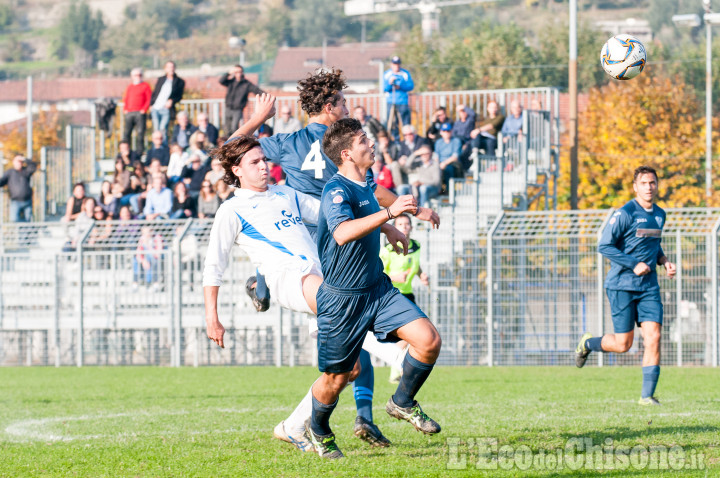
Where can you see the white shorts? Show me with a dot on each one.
(286, 285)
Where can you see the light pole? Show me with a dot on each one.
(694, 20)
(237, 42)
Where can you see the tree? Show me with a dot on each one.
(80, 32)
(312, 21)
(47, 131)
(651, 120)
(6, 16)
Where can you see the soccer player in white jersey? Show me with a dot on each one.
(267, 222)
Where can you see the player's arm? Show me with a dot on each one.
(225, 229)
(309, 207)
(354, 229)
(662, 260)
(264, 110)
(611, 236)
(385, 198)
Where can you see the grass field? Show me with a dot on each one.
(218, 422)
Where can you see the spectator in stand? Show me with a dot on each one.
(183, 206)
(108, 201)
(136, 102)
(427, 175)
(276, 173)
(370, 125)
(147, 257)
(512, 126)
(439, 118)
(264, 131)
(448, 150)
(167, 94)
(207, 128)
(102, 230)
(159, 201)
(208, 201)
(238, 89)
(287, 123)
(176, 164)
(158, 151)
(465, 123)
(194, 174)
(127, 155)
(397, 82)
(485, 135)
(87, 213)
(17, 180)
(216, 173)
(223, 190)
(73, 207)
(137, 201)
(122, 177)
(125, 232)
(391, 153)
(183, 130)
(382, 175)
(197, 148)
(411, 140)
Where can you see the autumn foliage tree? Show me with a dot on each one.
(47, 131)
(650, 120)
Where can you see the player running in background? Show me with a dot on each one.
(268, 223)
(356, 296)
(631, 241)
(402, 269)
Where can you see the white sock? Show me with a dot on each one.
(295, 423)
(385, 351)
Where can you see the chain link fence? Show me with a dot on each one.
(515, 288)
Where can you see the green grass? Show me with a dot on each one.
(218, 421)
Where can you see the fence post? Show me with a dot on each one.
(56, 315)
(714, 291)
(678, 294)
(82, 237)
(599, 285)
(43, 184)
(177, 279)
(490, 321)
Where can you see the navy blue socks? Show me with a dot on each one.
(363, 387)
(594, 344)
(414, 375)
(651, 374)
(320, 421)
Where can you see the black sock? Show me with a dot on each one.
(414, 375)
(320, 421)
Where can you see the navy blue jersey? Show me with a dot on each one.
(633, 236)
(357, 264)
(300, 154)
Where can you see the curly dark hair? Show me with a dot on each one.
(231, 153)
(319, 89)
(339, 137)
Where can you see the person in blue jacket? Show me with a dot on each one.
(397, 82)
(631, 240)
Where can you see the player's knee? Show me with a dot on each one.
(355, 373)
(337, 381)
(651, 338)
(624, 344)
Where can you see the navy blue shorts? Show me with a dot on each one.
(633, 307)
(344, 318)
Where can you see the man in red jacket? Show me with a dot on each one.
(136, 102)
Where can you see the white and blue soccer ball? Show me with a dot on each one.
(623, 57)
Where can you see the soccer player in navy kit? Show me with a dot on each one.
(631, 241)
(308, 169)
(356, 295)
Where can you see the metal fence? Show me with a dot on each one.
(517, 288)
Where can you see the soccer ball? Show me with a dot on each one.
(623, 57)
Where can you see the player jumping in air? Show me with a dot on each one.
(631, 241)
(356, 296)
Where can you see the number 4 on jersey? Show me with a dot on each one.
(314, 160)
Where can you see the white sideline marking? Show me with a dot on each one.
(37, 429)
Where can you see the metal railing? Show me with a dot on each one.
(514, 288)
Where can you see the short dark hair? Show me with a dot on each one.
(231, 153)
(644, 170)
(403, 214)
(339, 137)
(320, 89)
